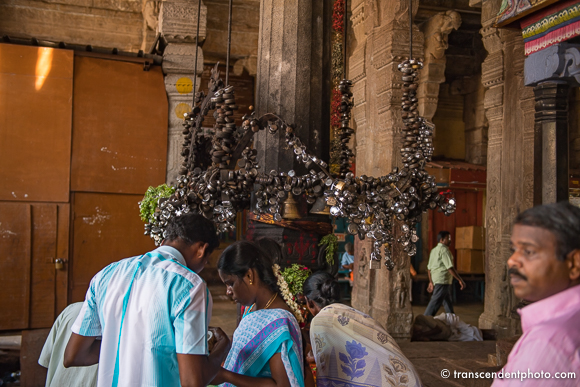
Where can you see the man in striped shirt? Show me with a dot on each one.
(145, 319)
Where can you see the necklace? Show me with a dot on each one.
(271, 301)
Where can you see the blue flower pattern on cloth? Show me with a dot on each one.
(354, 366)
(343, 320)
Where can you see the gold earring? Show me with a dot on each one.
(251, 282)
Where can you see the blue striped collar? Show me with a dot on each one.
(171, 253)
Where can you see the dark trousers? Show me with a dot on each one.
(441, 295)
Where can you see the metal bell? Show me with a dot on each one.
(290, 207)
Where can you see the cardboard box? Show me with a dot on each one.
(470, 261)
(472, 237)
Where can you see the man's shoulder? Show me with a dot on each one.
(562, 332)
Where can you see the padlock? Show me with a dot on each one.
(59, 264)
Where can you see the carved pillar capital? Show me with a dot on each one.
(178, 21)
(557, 63)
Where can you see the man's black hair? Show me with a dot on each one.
(561, 219)
(192, 228)
(442, 235)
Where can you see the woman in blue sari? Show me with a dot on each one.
(267, 345)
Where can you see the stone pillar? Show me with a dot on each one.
(435, 32)
(509, 107)
(552, 124)
(293, 81)
(178, 25)
(552, 71)
(381, 32)
(475, 124)
(292, 77)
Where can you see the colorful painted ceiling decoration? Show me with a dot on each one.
(551, 25)
(512, 10)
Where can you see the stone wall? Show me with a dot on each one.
(245, 33)
(128, 25)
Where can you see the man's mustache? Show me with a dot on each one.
(514, 271)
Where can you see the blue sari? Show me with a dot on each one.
(260, 336)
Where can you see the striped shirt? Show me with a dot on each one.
(147, 309)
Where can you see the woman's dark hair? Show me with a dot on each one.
(239, 257)
(192, 228)
(322, 288)
(442, 235)
(561, 219)
(272, 249)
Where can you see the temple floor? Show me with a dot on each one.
(429, 358)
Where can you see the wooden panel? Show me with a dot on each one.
(62, 248)
(106, 228)
(119, 125)
(35, 123)
(33, 374)
(15, 253)
(42, 294)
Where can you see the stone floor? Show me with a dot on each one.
(430, 359)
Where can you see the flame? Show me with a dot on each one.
(43, 66)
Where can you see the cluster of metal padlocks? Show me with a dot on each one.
(212, 185)
(345, 132)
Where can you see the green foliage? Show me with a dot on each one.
(332, 247)
(295, 276)
(148, 205)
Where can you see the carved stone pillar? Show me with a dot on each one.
(435, 32)
(178, 25)
(292, 79)
(508, 106)
(381, 31)
(552, 71)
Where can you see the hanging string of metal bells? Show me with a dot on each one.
(220, 172)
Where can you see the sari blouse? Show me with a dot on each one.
(260, 336)
(353, 350)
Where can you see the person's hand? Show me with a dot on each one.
(310, 357)
(430, 287)
(462, 285)
(219, 334)
(219, 378)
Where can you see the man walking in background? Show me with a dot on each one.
(441, 273)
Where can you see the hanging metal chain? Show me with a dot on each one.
(229, 44)
(196, 50)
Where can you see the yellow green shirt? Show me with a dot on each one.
(440, 261)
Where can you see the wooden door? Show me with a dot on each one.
(119, 150)
(107, 228)
(119, 127)
(35, 123)
(35, 142)
(32, 237)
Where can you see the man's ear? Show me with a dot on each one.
(574, 265)
(202, 249)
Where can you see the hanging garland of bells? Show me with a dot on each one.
(219, 172)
